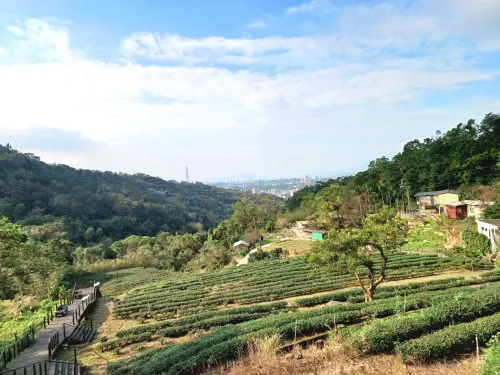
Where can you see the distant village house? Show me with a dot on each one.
(241, 245)
(466, 208)
(432, 201)
(315, 234)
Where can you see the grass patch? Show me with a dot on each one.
(425, 238)
(491, 365)
(295, 247)
(16, 316)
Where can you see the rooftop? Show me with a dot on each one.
(470, 203)
(439, 192)
(309, 230)
(490, 221)
(240, 243)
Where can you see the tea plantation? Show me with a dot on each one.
(227, 309)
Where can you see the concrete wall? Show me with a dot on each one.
(491, 231)
(444, 199)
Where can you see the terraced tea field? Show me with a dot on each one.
(230, 308)
(259, 282)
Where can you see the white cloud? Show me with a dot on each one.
(210, 49)
(37, 39)
(313, 6)
(321, 91)
(257, 25)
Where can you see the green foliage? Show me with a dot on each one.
(16, 317)
(492, 212)
(229, 342)
(465, 155)
(383, 335)
(358, 248)
(259, 255)
(24, 267)
(491, 364)
(476, 244)
(452, 340)
(96, 206)
(250, 218)
(355, 295)
(213, 255)
(153, 295)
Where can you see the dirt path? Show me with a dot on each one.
(444, 275)
(244, 260)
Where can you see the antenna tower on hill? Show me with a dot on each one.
(187, 174)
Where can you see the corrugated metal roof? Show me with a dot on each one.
(433, 193)
(470, 203)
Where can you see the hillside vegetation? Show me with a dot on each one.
(466, 157)
(91, 206)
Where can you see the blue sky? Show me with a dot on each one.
(250, 87)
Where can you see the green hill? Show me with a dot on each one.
(92, 206)
(464, 157)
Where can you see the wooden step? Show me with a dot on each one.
(81, 334)
(64, 368)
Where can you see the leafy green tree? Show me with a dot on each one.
(212, 256)
(24, 268)
(492, 212)
(357, 249)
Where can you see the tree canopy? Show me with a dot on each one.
(25, 267)
(466, 157)
(93, 206)
(363, 251)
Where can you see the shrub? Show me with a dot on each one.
(476, 244)
(491, 364)
(452, 340)
(383, 335)
(492, 212)
(258, 256)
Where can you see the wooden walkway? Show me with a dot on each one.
(39, 352)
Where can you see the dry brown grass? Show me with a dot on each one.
(335, 359)
(295, 247)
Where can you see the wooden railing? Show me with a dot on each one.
(13, 350)
(23, 341)
(84, 308)
(46, 368)
(28, 338)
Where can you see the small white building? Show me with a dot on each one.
(475, 208)
(491, 229)
(241, 245)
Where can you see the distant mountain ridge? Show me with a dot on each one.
(94, 205)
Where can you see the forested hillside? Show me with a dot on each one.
(465, 157)
(92, 206)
